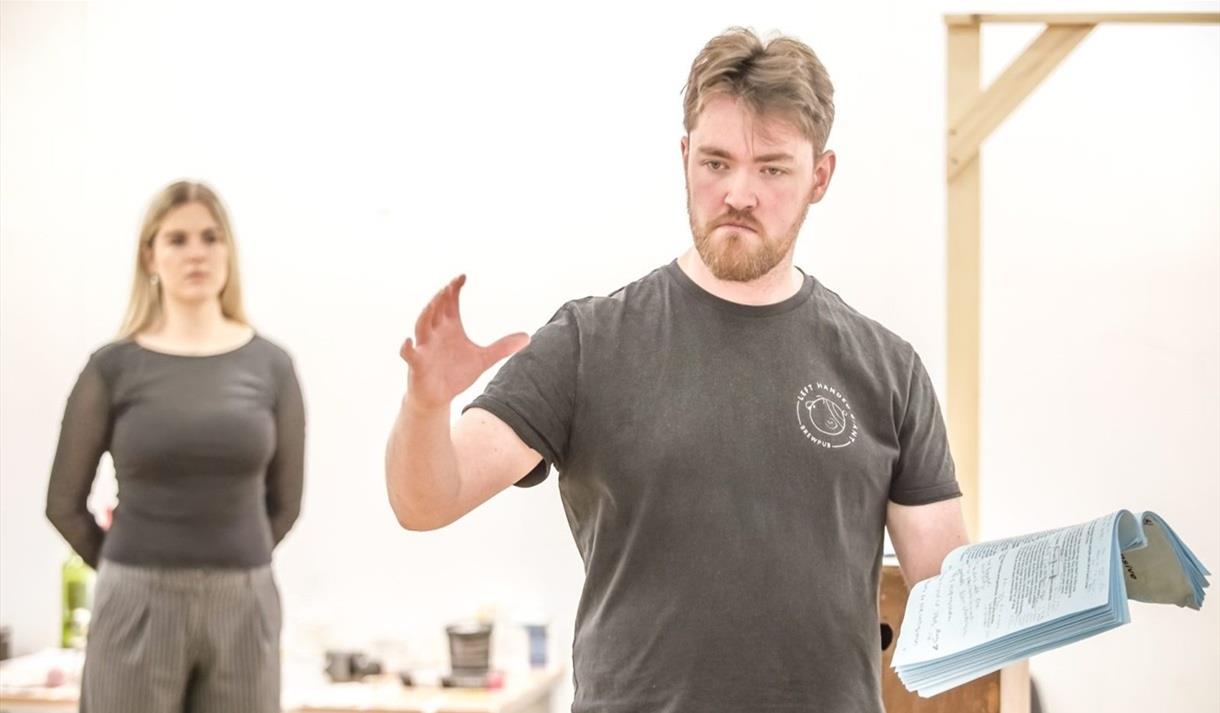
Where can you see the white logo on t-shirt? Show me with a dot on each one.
(825, 416)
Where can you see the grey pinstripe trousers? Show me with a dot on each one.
(173, 640)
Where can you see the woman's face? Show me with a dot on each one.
(189, 255)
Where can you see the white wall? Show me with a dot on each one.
(369, 154)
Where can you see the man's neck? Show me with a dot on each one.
(780, 283)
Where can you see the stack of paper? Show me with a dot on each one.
(999, 602)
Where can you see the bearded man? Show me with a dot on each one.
(731, 438)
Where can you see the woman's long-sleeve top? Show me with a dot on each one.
(208, 452)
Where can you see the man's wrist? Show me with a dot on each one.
(415, 407)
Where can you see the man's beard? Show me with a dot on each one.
(733, 260)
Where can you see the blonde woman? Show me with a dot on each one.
(205, 424)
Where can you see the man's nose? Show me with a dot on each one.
(741, 195)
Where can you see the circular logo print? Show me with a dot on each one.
(825, 416)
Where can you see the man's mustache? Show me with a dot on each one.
(734, 217)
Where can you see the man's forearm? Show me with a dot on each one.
(421, 467)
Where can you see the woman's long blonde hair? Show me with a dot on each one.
(144, 308)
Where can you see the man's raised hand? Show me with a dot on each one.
(442, 360)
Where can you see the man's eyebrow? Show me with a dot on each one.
(766, 158)
(713, 151)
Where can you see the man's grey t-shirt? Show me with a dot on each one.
(725, 471)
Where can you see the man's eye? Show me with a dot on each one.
(773, 171)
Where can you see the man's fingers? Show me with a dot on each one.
(423, 325)
(505, 347)
(438, 306)
(451, 297)
(441, 308)
(429, 318)
(407, 351)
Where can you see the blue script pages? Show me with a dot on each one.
(998, 602)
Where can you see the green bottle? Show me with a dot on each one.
(78, 601)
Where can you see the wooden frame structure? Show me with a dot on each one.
(973, 113)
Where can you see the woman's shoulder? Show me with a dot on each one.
(270, 350)
(108, 360)
(113, 352)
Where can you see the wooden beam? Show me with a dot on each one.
(962, 296)
(968, 129)
(971, 116)
(1014, 688)
(1139, 18)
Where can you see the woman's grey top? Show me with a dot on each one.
(208, 452)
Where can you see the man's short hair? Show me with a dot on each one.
(781, 77)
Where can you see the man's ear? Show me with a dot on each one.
(823, 170)
(685, 151)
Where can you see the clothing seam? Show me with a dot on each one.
(732, 309)
(931, 488)
(915, 501)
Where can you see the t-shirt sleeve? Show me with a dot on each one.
(83, 437)
(535, 392)
(924, 470)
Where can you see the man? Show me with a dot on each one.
(731, 438)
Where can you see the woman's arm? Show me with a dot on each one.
(83, 437)
(286, 473)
